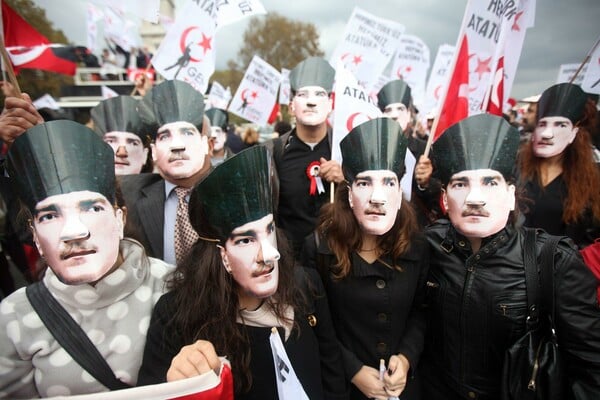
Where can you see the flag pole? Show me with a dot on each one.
(9, 69)
(585, 60)
(441, 103)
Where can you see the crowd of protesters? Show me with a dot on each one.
(171, 242)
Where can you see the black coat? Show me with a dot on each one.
(144, 196)
(546, 211)
(478, 308)
(314, 354)
(297, 209)
(377, 311)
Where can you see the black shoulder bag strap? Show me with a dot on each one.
(531, 278)
(71, 337)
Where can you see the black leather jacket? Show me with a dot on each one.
(478, 306)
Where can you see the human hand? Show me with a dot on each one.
(368, 382)
(8, 89)
(423, 171)
(331, 171)
(142, 84)
(395, 377)
(192, 360)
(18, 115)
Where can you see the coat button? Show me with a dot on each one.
(472, 395)
(461, 243)
(381, 347)
(380, 283)
(382, 317)
(312, 320)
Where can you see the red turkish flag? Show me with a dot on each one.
(274, 112)
(456, 102)
(496, 100)
(28, 48)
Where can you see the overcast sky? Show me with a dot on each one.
(564, 31)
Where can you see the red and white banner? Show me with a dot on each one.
(27, 48)
(232, 11)
(257, 94)
(508, 53)
(438, 77)
(187, 52)
(485, 31)
(208, 386)
(218, 97)
(411, 64)
(353, 106)
(367, 45)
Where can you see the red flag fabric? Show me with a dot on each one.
(496, 100)
(456, 103)
(274, 112)
(28, 48)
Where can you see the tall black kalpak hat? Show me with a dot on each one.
(562, 100)
(314, 71)
(117, 114)
(479, 142)
(236, 192)
(171, 101)
(377, 144)
(218, 117)
(396, 91)
(60, 157)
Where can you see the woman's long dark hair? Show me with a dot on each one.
(580, 172)
(207, 304)
(339, 225)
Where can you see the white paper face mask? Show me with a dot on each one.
(78, 235)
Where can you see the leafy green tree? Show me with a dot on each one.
(278, 40)
(36, 82)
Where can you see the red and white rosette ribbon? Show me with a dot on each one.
(316, 184)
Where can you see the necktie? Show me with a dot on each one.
(185, 235)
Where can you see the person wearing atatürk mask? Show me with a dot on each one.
(478, 296)
(218, 133)
(559, 176)
(118, 122)
(395, 101)
(303, 155)
(64, 175)
(236, 289)
(172, 114)
(374, 264)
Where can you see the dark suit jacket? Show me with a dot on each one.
(144, 196)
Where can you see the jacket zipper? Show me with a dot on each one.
(468, 284)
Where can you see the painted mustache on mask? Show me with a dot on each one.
(377, 210)
(77, 249)
(178, 155)
(475, 211)
(265, 268)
